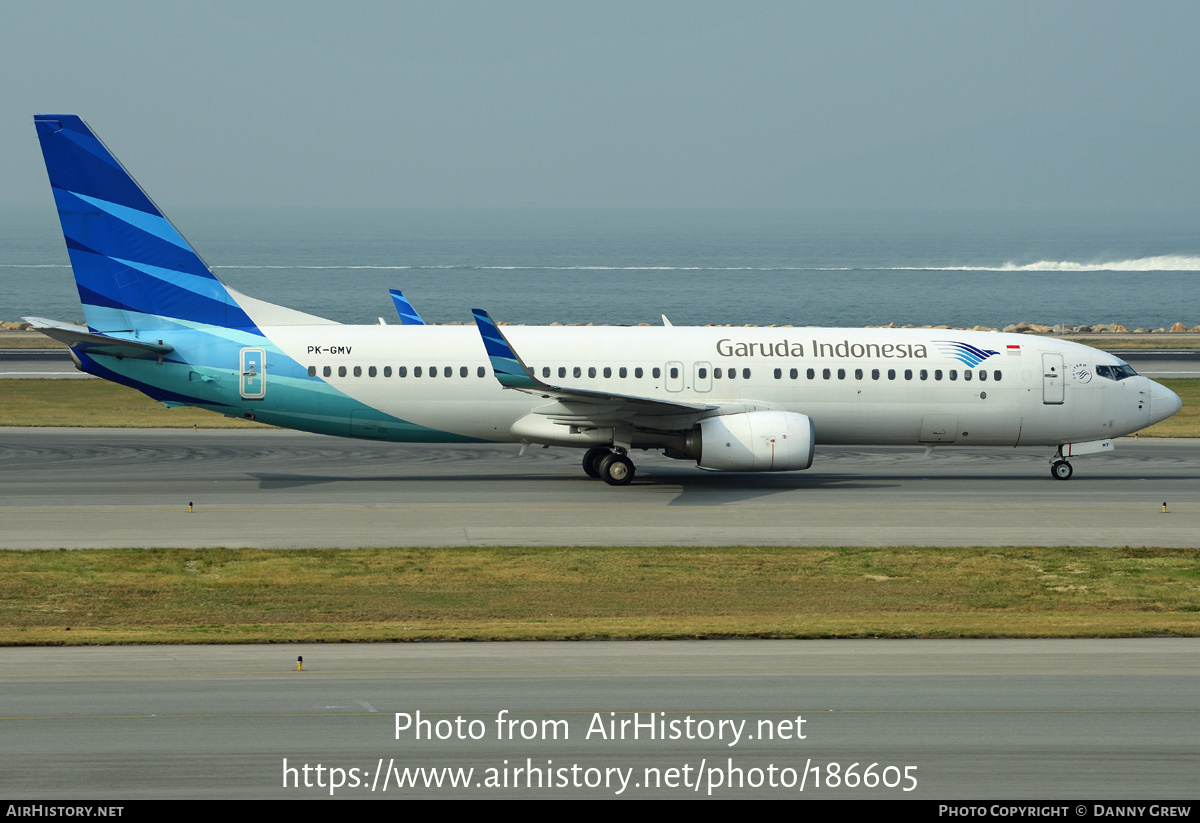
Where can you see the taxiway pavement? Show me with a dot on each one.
(990, 719)
(104, 488)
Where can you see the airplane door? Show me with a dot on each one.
(674, 376)
(702, 379)
(254, 374)
(1052, 379)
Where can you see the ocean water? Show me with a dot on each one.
(536, 266)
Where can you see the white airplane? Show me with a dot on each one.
(730, 399)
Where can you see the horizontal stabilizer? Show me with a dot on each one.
(79, 338)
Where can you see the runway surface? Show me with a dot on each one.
(1164, 363)
(1088, 719)
(52, 364)
(102, 488)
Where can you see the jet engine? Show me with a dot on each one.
(757, 441)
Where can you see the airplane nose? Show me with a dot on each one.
(1163, 402)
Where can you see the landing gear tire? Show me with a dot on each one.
(616, 470)
(1061, 470)
(591, 461)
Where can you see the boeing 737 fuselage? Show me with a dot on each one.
(732, 399)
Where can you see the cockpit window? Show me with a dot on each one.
(1120, 372)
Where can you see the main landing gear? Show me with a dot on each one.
(1060, 469)
(614, 468)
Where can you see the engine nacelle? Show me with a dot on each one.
(757, 441)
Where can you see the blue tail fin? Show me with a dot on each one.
(133, 269)
(404, 308)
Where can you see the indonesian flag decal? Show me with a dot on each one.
(1014, 348)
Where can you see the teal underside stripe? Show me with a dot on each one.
(304, 403)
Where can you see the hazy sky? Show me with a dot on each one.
(650, 103)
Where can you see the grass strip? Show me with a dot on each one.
(516, 593)
(98, 403)
(104, 404)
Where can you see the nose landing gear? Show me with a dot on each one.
(1060, 469)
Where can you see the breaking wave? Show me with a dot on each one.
(1164, 262)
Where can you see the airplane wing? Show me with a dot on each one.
(79, 338)
(580, 406)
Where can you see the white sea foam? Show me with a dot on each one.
(1163, 262)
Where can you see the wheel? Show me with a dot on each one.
(591, 461)
(1061, 470)
(616, 470)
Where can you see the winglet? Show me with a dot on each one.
(408, 315)
(506, 365)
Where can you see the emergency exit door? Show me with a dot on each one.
(254, 374)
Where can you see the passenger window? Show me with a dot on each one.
(996, 375)
(812, 373)
(825, 373)
(462, 372)
(591, 371)
(937, 374)
(578, 372)
(745, 374)
(841, 374)
(608, 371)
(358, 371)
(924, 374)
(312, 371)
(717, 373)
(674, 372)
(622, 372)
(637, 372)
(656, 372)
(448, 371)
(703, 373)
(433, 371)
(891, 374)
(858, 374)
(481, 371)
(732, 374)
(562, 371)
(387, 371)
(341, 371)
(874, 374)
(545, 371)
(908, 374)
(778, 374)
(966, 374)
(326, 371)
(416, 371)
(983, 374)
(954, 374)
(371, 372)
(402, 371)
(794, 373)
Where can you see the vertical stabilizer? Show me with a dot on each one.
(133, 269)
